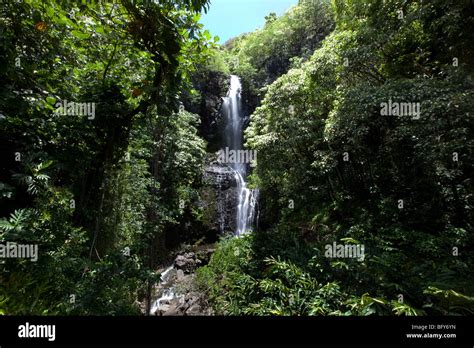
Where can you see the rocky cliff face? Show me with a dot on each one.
(219, 193)
(211, 87)
(219, 196)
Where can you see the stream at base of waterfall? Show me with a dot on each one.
(176, 293)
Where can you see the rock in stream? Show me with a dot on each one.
(177, 294)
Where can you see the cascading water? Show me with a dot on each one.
(168, 293)
(233, 135)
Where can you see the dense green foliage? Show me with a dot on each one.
(331, 168)
(109, 190)
(104, 194)
(258, 58)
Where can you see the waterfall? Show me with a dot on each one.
(233, 136)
